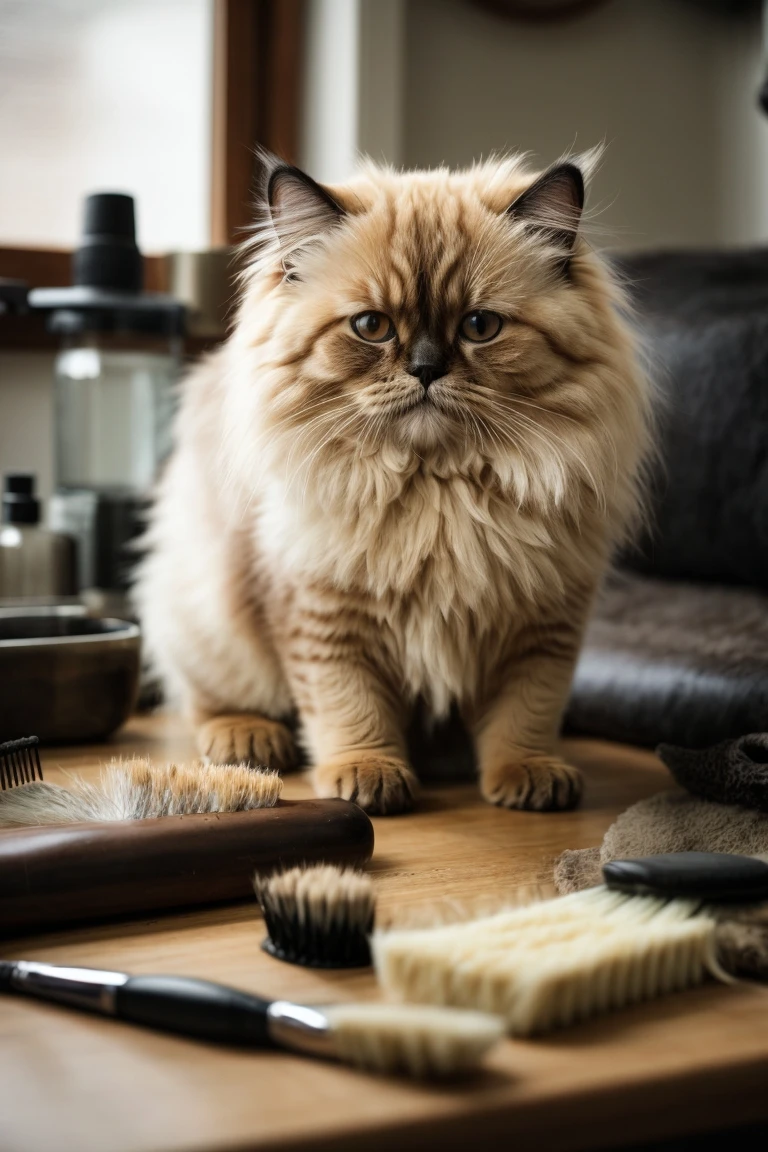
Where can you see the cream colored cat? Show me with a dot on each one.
(400, 478)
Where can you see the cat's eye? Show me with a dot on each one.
(480, 326)
(375, 327)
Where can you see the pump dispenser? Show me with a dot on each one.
(115, 380)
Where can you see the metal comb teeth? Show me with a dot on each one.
(20, 762)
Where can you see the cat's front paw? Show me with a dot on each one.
(382, 785)
(532, 781)
(246, 738)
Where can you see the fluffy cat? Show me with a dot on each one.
(399, 479)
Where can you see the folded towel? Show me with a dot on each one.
(733, 772)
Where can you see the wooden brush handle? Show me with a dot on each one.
(68, 873)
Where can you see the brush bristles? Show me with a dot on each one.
(556, 963)
(140, 790)
(420, 1041)
(320, 917)
(146, 790)
(20, 762)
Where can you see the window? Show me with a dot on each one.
(105, 95)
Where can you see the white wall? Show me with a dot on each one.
(742, 136)
(353, 85)
(670, 88)
(330, 121)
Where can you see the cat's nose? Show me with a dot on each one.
(428, 361)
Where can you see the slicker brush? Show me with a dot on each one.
(20, 762)
(319, 917)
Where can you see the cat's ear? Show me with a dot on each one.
(300, 210)
(553, 205)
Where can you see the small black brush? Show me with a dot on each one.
(320, 917)
(20, 762)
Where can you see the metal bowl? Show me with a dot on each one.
(64, 675)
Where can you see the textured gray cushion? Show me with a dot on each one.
(705, 319)
(667, 661)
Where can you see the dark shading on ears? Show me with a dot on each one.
(300, 209)
(553, 205)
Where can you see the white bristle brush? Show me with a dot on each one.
(385, 1038)
(560, 961)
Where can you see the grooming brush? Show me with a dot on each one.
(318, 917)
(379, 1037)
(649, 930)
(20, 762)
(150, 837)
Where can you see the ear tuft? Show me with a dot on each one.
(553, 205)
(300, 210)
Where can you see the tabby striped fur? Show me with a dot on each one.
(326, 546)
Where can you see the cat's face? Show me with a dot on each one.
(430, 311)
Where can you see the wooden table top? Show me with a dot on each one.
(73, 1083)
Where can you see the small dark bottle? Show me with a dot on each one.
(34, 562)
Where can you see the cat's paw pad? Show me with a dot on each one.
(534, 782)
(382, 785)
(247, 739)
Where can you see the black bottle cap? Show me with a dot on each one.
(20, 505)
(107, 270)
(108, 256)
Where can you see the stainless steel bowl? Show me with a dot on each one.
(64, 675)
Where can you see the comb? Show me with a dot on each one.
(20, 762)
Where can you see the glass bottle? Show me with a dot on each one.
(34, 562)
(115, 378)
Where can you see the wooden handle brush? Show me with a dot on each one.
(149, 838)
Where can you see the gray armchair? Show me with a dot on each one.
(678, 647)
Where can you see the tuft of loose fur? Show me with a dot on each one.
(558, 962)
(320, 917)
(341, 533)
(140, 790)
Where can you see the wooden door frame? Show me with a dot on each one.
(258, 57)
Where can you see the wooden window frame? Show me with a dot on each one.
(258, 50)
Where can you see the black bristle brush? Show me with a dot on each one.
(20, 762)
(319, 917)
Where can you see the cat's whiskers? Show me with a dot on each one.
(502, 407)
(307, 463)
(591, 416)
(317, 422)
(570, 458)
(227, 457)
(272, 433)
(291, 421)
(516, 424)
